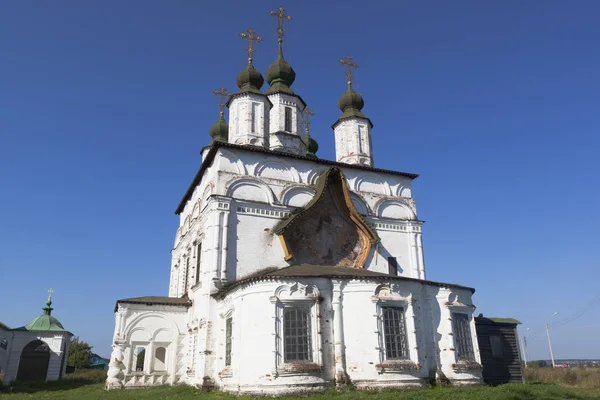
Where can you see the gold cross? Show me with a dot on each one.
(280, 14)
(350, 64)
(307, 114)
(223, 93)
(50, 291)
(249, 35)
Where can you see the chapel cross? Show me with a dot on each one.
(249, 35)
(223, 93)
(307, 114)
(50, 291)
(280, 14)
(350, 64)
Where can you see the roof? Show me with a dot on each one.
(5, 327)
(319, 271)
(494, 320)
(216, 145)
(156, 300)
(45, 322)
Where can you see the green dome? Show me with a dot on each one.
(45, 322)
(311, 146)
(220, 130)
(250, 80)
(280, 76)
(351, 104)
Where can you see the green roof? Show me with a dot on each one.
(45, 322)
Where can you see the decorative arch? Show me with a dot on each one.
(235, 161)
(251, 189)
(136, 322)
(196, 210)
(403, 190)
(275, 170)
(394, 209)
(361, 206)
(313, 176)
(297, 196)
(205, 195)
(369, 183)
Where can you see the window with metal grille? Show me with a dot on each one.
(186, 274)
(392, 266)
(462, 336)
(198, 256)
(228, 326)
(296, 335)
(394, 333)
(288, 119)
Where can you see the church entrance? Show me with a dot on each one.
(33, 365)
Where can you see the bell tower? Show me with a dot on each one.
(353, 129)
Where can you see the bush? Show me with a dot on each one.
(90, 375)
(579, 377)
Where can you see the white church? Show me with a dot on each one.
(292, 273)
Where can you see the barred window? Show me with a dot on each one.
(228, 326)
(462, 336)
(198, 259)
(288, 119)
(394, 333)
(296, 335)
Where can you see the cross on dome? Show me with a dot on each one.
(251, 37)
(349, 63)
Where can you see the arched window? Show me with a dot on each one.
(160, 355)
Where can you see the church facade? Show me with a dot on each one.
(292, 273)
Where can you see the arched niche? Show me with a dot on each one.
(395, 210)
(251, 189)
(297, 196)
(360, 205)
(370, 184)
(277, 170)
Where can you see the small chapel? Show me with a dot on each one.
(290, 272)
(35, 352)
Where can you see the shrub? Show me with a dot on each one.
(91, 375)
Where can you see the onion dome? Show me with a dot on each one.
(311, 146)
(280, 75)
(250, 80)
(45, 322)
(219, 131)
(351, 104)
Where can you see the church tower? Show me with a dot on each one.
(353, 129)
(249, 107)
(286, 118)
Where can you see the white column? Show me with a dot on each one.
(338, 333)
(216, 239)
(224, 246)
(420, 256)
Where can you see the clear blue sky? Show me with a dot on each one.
(104, 106)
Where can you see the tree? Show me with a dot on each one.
(79, 354)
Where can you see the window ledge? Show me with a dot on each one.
(467, 365)
(397, 365)
(299, 368)
(226, 373)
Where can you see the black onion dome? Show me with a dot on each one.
(280, 76)
(311, 146)
(220, 130)
(250, 80)
(351, 104)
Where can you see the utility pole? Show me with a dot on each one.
(524, 346)
(550, 345)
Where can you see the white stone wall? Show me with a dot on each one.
(352, 323)
(287, 141)
(58, 342)
(150, 327)
(243, 129)
(353, 141)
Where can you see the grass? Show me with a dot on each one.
(88, 385)
(571, 377)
